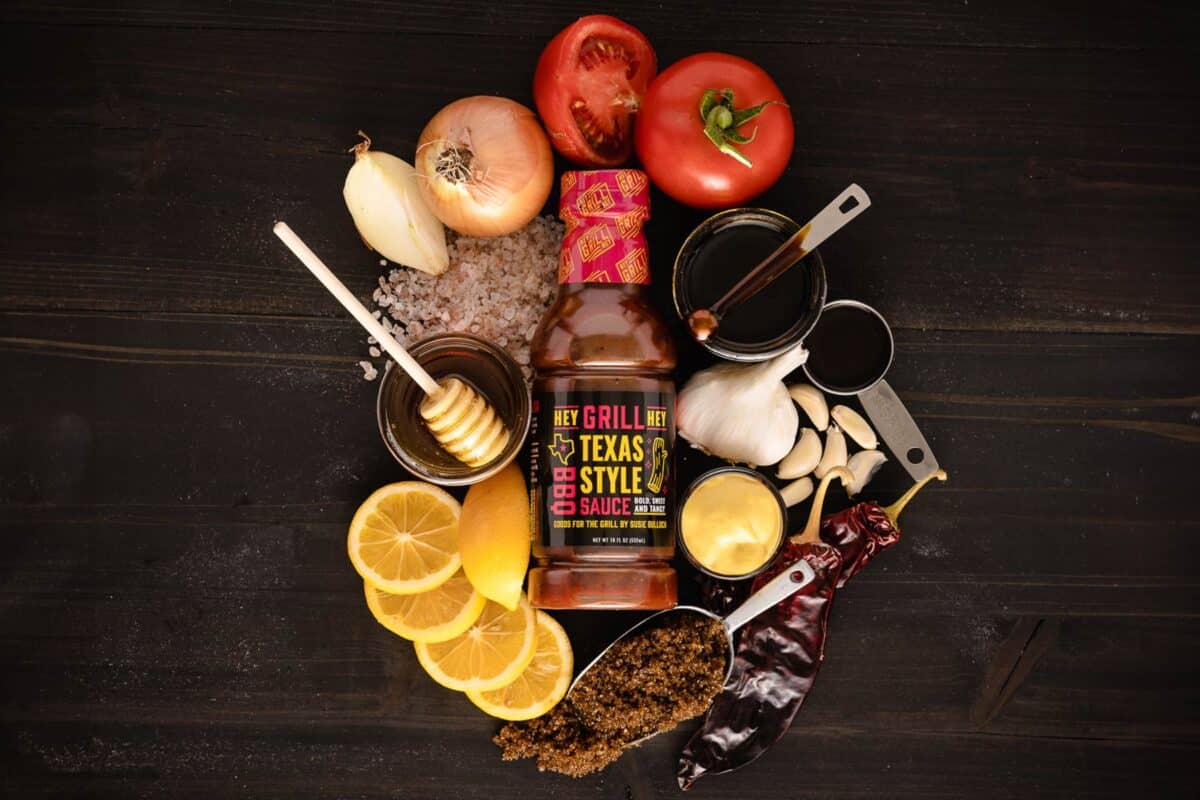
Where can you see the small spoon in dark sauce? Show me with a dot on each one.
(846, 206)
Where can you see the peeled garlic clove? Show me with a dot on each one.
(813, 402)
(835, 452)
(855, 426)
(803, 458)
(797, 491)
(385, 201)
(863, 465)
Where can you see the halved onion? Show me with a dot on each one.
(390, 212)
(485, 165)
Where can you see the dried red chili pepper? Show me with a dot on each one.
(779, 653)
(861, 531)
(776, 659)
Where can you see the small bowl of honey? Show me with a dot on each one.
(731, 523)
(483, 366)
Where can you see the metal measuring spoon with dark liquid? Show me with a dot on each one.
(849, 351)
(778, 262)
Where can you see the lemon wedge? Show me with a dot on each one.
(493, 536)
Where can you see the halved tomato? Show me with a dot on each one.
(588, 88)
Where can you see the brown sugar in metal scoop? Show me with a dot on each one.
(645, 684)
(665, 669)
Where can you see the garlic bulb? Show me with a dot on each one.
(385, 201)
(855, 426)
(863, 465)
(803, 458)
(742, 412)
(813, 402)
(835, 452)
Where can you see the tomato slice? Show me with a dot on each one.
(588, 88)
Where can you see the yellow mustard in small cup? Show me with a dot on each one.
(731, 522)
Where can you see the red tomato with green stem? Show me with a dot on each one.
(588, 89)
(714, 131)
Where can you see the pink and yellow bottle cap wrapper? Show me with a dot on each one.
(604, 210)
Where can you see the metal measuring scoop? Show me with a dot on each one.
(791, 580)
(776, 590)
(884, 408)
(703, 322)
(779, 588)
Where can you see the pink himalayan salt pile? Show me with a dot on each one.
(494, 288)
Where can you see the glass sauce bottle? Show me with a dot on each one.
(603, 433)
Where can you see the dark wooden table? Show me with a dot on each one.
(184, 433)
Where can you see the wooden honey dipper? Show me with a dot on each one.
(460, 418)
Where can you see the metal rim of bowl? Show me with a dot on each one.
(739, 470)
(524, 413)
(861, 306)
(785, 342)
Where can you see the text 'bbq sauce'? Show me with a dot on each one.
(603, 434)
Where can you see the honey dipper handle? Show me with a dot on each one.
(356, 309)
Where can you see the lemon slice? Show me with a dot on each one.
(433, 616)
(491, 654)
(404, 538)
(543, 683)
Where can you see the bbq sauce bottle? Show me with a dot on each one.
(603, 434)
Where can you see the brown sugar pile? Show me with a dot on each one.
(645, 684)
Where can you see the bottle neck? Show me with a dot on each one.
(575, 287)
(604, 211)
(621, 262)
(602, 326)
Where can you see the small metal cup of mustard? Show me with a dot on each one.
(731, 523)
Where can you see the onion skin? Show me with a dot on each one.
(485, 165)
(384, 199)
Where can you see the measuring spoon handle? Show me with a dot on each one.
(898, 430)
(846, 206)
(781, 587)
(831, 218)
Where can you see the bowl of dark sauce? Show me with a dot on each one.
(718, 253)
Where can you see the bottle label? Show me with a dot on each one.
(600, 465)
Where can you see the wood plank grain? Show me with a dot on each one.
(187, 638)
(995, 174)
(264, 422)
(354, 714)
(210, 652)
(909, 22)
(189, 761)
(1013, 663)
(184, 432)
